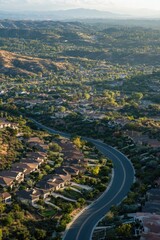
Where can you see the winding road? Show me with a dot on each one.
(123, 177)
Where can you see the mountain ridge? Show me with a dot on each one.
(78, 13)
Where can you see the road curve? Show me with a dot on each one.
(82, 227)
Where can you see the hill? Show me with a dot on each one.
(15, 64)
(79, 13)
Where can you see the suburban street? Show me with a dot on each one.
(123, 177)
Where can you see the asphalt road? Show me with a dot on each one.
(82, 227)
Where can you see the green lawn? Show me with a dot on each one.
(77, 187)
(71, 194)
(48, 213)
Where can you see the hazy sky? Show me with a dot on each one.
(110, 5)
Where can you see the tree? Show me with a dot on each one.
(16, 207)
(30, 183)
(95, 170)
(2, 207)
(101, 187)
(67, 218)
(47, 168)
(8, 219)
(51, 109)
(77, 141)
(82, 201)
(40, 234)
(1, 234)
(137, 96)
(111, 234)
(55, 147)
(87, 96)
(22, 233)
(62, 109)
(124, 230)
(19, 215)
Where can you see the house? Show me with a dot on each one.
(4, 123)
(19, 167)
(53, 182)
(36, 155)
(36, 142)
(42, 147)
(29, 171)
(6, 182)
(46, 186)
(67, 145)
(67, 170)
(60, 181)
(17, 176)
(5, 197)
(24, 168)
(31, 163)
(36, 162)
(73, 155)
(28, 196)
(73, 171)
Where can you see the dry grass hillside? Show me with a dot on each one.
(14, 64)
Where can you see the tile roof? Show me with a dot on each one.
(5, 195)
(6, 181)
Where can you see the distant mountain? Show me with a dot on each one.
(82, 13)
(15, 64)
(79, 13)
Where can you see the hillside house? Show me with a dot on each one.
(54, 182)
(28, 197)
(16, 176)
(4, 123)
(5, 197)
(6, 182)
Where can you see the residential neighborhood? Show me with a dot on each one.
(79, 123)
(49, 169)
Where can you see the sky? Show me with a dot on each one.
(106, 5)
